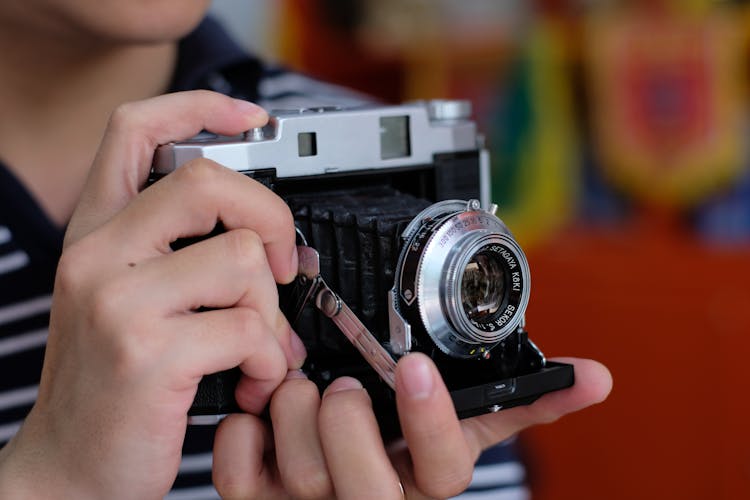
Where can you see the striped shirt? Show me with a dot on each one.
(30, 246)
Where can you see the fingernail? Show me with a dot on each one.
(298, 349)
(343, 384)
(295, 374)
(418, 380)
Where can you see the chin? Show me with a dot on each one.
(117, 21)
(146, 20)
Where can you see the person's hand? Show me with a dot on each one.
(134, 325)
(331, 447)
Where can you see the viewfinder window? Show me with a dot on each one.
(307, 144)
(394, 137)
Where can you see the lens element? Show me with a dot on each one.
(482, 287)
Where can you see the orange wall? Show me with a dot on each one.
(671, 319)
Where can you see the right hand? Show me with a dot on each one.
(127, 345)
(320, 446)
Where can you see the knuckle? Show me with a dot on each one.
(547, 417)
(232, 486)
(249, 323)
(283, 213)
(97, 297)
(449, 484)
(247, 320)
(97, 300)
(105, 302)
(106, 308)
(202, 94)
(309, 481)
(199, 173)
(282, 217)
(278, 367)
(69, 271)
(201, 178)
(537, 415)
(245, 248)
(339, 410)
(123, 116)
(123, 341)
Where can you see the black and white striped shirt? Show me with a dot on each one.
(30, 245)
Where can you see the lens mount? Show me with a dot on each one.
(464, 276)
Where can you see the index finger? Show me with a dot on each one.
(191, 200)
(134, 131)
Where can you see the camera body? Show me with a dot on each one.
(394, 200)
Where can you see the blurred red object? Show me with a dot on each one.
(313, 45)
(670, 317)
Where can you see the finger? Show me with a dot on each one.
(227, 270)
(216, 340)
(299, 454)
(191, 200)
(133, 133)
(352, 444)
(442, 460)
(239, 469)
(593, 382)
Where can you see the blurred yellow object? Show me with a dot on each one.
(288, 34)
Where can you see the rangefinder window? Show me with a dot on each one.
(307, 144)
(394, 137)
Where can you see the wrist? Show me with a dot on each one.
(28, 470)
(12, 478)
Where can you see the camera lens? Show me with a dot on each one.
(461, 277)
(482, 286)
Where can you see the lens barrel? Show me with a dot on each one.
(463, 276)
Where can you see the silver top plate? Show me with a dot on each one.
(316, 141)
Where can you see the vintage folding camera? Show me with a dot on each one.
(400, 250)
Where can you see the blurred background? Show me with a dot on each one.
(618, 135)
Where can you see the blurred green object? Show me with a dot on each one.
(534, 139)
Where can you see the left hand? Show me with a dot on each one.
(128, 341)
(331, 447)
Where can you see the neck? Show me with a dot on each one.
(56, 99)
